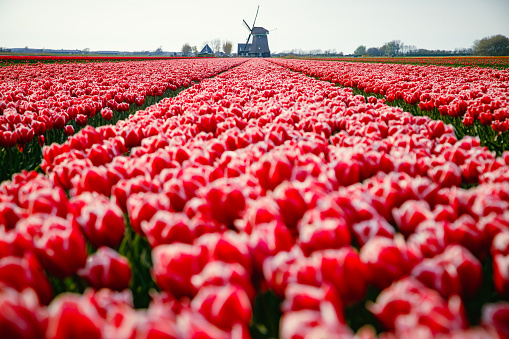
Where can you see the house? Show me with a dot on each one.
(206, 50)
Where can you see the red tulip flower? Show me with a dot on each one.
(175, 265)
(106, 268)
(100, 219)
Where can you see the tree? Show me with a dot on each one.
(85, 50)
(393, 47)
(216, 46)
(496, 45)
(186, 49)
(361, 50)
(227, 47)
(373, 51)
(194, 49)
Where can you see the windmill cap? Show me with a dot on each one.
(259, 30)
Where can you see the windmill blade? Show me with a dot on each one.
(256, 16)
(247, 41)
(247, 26)
(272, 30)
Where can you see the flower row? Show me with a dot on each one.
(491, 62)
(39, 98)
(10, 59)
(470, 93)
(260, 178)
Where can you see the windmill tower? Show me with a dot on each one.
(260, 45)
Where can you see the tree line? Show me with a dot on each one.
(496, 45)
(216, 45)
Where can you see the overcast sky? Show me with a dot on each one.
(132, 25)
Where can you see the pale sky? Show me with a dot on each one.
(133, 25)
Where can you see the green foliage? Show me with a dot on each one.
(361, 50)
(266, 316)
(186, 48)
(496, 45)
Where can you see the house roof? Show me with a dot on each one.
(206, 50)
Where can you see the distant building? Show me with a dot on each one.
(243, 49)
(108, 52)
(206, 50)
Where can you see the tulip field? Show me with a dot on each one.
(42, 104)
(253, 198)
(459, 61)
(474, 100)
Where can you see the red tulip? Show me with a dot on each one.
(495, 317)
(272, 171)
(101, 220)
(10, 214)
(367, 229)
(8, 139)
(227, 202)
(107, 113)
(501, 274)
(166, 228)
(223, 306)
(141, 207)
(60, 246)
(25, 272)
(174, 266)
(313, 324)
(446, 175)
(21, 316)
(500, 244)
(388, 259)
(25, 134)
(59, 121)
(229, 247)
(328, 233)
(69, 130)
(267, 240)
(408, 303)
(346, 272)
(72, 316)
(106, 268)
(455, 271)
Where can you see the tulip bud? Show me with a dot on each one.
(267, 240)
(408, 303)
(73, 316)
(60, 246)
(344, 270)
(69, 130)
(229, 247)
(174, 266)
(455, 271)
(388, 259)
(327, 233)
(167, 227)
(21, 316)
(25, 272)
(223, 306)
(106, 268)
(100, 219)
(143, 206)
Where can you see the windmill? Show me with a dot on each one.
(260, 45)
